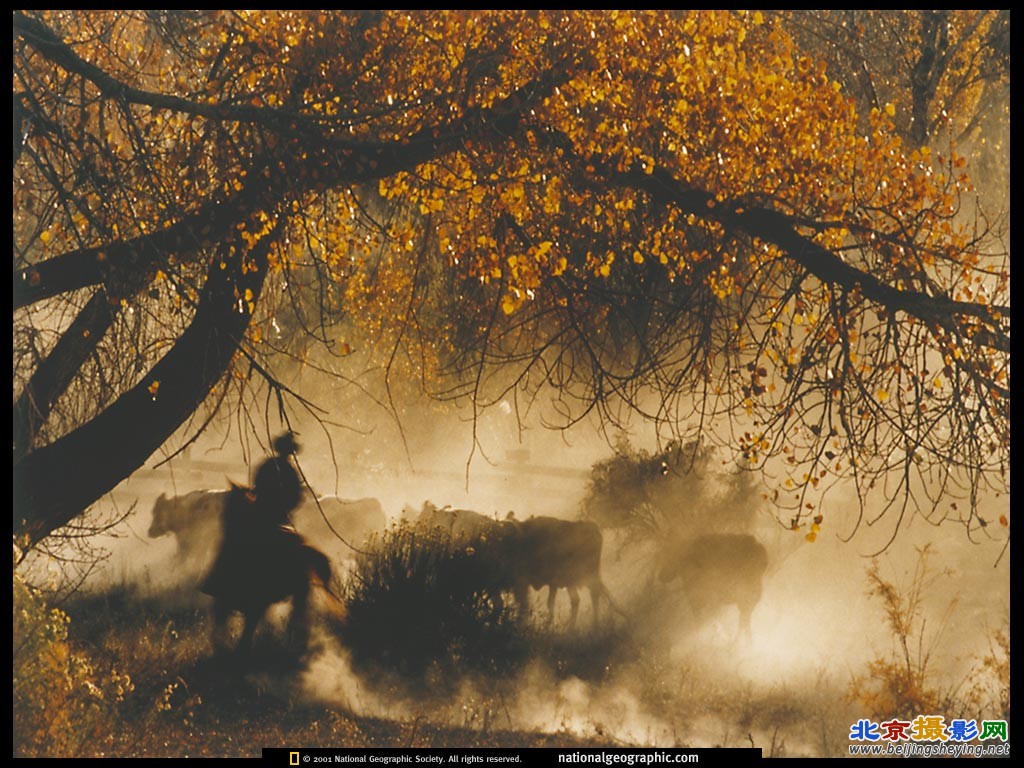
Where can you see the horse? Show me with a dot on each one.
(195, 522)
(259, 566)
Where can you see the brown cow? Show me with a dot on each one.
(548, 552)
(462, 525)
(194, 520)
(323, 520)
(717, 570)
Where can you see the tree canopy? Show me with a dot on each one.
(673, 215)
(950, 68)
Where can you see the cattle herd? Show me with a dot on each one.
(538, 552)
(712, 570)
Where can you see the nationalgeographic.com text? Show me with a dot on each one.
(612, 758)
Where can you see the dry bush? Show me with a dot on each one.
(60, 701)
(903, 683)
(989, 688)
(417, 602)
(685, 488)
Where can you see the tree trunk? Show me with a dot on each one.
(54, 484)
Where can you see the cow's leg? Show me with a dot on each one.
(746, 607)
(221, 627)
(595, 601)
(522, 596)
(743, 634)
(699, 611)
(252, 619)
(552, 594)
(574, 600)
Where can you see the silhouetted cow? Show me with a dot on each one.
(461, 525)
(354, 520)
(548, 552)
(194, 520)
(717, 570)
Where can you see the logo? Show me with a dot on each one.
(932, 728)
(930, 736)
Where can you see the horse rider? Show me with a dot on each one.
(277, 484)
(258, 534)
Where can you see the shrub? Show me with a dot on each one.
(681, 488)
(418, 603)
(902, 682)
(989, 690)
(59, 700)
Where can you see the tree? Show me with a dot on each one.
(670, 215)
(951, 67)
(658, 496)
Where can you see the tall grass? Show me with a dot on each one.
(990, 683)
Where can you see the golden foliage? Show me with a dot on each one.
(60, 702)
(623, 200)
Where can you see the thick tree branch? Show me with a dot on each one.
(20, 119)
(781, 230)
(53, 375)
(828, 267)
(83, 267)
(44, 40)
(331, 164)
(94, 458)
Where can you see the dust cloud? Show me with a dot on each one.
(664, 678)
(814, 630)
